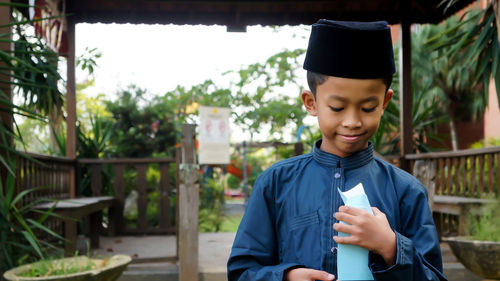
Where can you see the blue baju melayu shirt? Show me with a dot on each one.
(289, 219)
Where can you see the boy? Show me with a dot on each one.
(291, 224)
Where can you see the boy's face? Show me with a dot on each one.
(348, 111)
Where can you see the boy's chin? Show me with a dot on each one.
(349, 149)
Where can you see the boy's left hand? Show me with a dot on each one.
(368, 231)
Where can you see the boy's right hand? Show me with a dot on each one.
(307, 274)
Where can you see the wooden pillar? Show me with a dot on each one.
(298, 148)
(71, 104)
(405, 93)
(188, 205)
(5, 86)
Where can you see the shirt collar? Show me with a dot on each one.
(356, 160)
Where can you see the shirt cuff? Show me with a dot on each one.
(284, 268)
(404, 254)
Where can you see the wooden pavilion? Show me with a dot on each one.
(236, 15)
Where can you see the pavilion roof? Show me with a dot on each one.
(238, 14)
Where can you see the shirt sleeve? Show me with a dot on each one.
(255, 252)
(418, 251)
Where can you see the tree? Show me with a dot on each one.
(257, 96)
(427, 104)
(141, 128)
(469, 54)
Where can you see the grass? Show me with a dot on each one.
(54, 267)
(231, 223)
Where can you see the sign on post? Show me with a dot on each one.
(214, 135)
(50, 23)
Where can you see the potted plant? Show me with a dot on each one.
(480, 252)
(71, 269)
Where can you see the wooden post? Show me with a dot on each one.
(298, 148)
(405, 94)
(70, 230)
(5, 116)
(142, 200)
(164, 200)
(188, 207)
(6, 47)
(71, 104)
(116, 213)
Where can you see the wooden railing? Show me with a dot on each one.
(467, 173)
(52, 175)
(48, 173)
(458, 183)
(165, 189)
(50, 178)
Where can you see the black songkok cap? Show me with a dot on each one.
(350, 49)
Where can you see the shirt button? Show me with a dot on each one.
(337, 175)
(334, 250)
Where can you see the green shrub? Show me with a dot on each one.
(211, 213)
(486, 143)
(232, 182)
(486, 227)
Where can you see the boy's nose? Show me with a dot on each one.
(351, 120)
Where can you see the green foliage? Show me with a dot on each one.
(486, 143)
(472, 43)
(258, 94)
(95, 142)
(231, 223)
(88, 107)
(486, 227)
(211, 213)
(253, 94)
(426, 117)
(55, 267)
(34, 66)
(456, 85)
(49, 137)
(442, 89)
(232, 182)
(141, 127)
(35, 136)
(88, 60)
(152, 193)
(285, 152)
(31, 73)
(18, 228)
(311, 135)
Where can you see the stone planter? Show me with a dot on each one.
(111, 271)
(480, 257)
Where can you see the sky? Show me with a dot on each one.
(160, 57)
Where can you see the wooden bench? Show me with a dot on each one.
(72, 210)
(464, 207)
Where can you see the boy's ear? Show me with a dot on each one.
(309, 102)
(387, 98)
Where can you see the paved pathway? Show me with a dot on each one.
(214, 250)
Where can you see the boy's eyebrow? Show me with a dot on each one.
(372, 98)
(339, 98)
